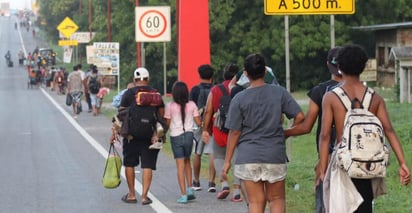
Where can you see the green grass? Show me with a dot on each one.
(302, 154)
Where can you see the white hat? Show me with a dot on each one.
(141, 73)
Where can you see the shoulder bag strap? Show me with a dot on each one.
(343, 97)
(223, 89)
(367, 98)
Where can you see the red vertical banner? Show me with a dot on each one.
(193, 39)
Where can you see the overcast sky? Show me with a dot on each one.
(19, 4)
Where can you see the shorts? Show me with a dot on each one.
(200, 146)
(135, 151)
(95, 101)
(219, 152)
(182, 145)
(261, 172)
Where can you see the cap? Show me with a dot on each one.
(141, 73)
(332, 63)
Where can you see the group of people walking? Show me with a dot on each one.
(90, 84)
(252, 140)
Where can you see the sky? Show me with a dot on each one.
(19, 4)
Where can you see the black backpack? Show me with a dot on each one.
(220, 115)
(202, 98)
(94, 85)
(142, 121)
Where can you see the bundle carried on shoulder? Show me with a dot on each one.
(362, 153)
(148, 97)
(139, 120)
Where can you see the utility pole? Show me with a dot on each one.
(138, 58)
(109, 35)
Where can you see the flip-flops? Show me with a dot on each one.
(147, 201)
(126, 199)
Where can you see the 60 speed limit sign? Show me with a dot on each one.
(153, 24)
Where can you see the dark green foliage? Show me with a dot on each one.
(237, 28)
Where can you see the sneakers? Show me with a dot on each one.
(190, 194)
(196, 186)
(223, 194)
(212, 187)
(156, 145)
(182, 199)
(236, 198)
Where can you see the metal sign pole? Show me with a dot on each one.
(164, 68)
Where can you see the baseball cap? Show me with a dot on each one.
(332, 63)
(141, 73)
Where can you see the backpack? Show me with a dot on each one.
(220, 115)
(202, 99)
(362, 153)
(94, 85)
(142, 119)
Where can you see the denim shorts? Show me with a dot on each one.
(95, 100)
(261, 172)
(182, 145)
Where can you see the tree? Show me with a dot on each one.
(237, 28)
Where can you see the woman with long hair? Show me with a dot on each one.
(180, 116)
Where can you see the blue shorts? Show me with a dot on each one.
(95, 100)
(182, 145)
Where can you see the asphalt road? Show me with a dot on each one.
(52, 162)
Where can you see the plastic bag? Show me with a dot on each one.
(69, 99)
(111, 174)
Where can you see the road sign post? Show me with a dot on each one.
(67, 27)
(153, 25)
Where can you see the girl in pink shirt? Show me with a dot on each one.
(180, 116)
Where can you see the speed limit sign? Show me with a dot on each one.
(153, 24)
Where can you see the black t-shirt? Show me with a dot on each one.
(194, 93)
(316, 95)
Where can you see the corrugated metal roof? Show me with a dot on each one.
(384, 26)
(399, 53)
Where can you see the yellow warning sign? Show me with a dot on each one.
(67, 27)
(68, 43)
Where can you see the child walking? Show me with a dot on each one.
(180, 115)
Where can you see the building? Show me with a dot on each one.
(393, 56)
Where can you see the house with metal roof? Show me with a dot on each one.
(393, 52)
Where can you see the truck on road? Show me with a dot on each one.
(4, 9)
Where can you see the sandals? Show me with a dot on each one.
(126, 199)
(147, 201)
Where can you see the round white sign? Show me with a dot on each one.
(152, 24)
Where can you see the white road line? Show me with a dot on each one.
(156, 205)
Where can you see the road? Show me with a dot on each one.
(52, 162)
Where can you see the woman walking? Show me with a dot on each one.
(180, 115)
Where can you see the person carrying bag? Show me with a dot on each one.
(111, 174)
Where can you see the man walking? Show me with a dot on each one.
(199, 94)
(219, 138)
(136, 150)
(75, 88)
(315, 112)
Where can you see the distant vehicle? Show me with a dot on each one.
(5, 9)
(48, 55)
